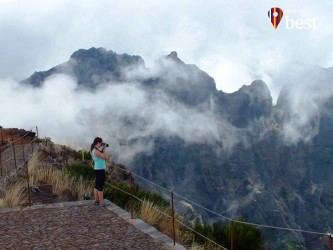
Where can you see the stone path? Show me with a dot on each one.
(77, 225)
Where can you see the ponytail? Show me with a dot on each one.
(96, 140)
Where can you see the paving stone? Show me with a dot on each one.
(75, 225)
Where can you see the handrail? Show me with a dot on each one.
(225, 217)
(12, 157)
(13, 172)
(167, 215)
(184, 198)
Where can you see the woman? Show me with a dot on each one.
(97, 152)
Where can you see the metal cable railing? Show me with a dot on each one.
(20, 166)
(166, 215)
(227, 218)
(209, 210)
(200, 206)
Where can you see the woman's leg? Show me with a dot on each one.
(100, 196)
(96, 194)
(100, 191)
(96, 186)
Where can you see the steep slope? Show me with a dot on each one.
(269, 164)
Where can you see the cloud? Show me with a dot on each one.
(233, 42)
(126, 115)
(307, 89)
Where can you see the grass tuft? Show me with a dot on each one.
(13, 196)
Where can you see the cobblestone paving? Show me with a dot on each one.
(78, 225)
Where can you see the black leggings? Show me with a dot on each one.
(100, 179)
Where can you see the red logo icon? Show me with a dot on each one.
(275, 14)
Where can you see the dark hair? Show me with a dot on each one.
(96, 140)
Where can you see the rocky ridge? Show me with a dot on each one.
(265, 177)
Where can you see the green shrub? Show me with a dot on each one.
(245, 236)
(122, 199)
(79, 170)
(116, 196)
(152, 197)
(86, 155)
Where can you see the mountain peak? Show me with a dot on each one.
(91, 67)
(173, 56)
(82, 53)
(106, 58)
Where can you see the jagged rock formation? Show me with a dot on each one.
(277, 173)
(91, 67)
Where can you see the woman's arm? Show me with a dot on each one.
(101, 155)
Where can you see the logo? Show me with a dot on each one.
(294, 18)
(275, 14)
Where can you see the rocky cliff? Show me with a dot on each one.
(264, 163)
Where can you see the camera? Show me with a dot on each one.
(104, 144)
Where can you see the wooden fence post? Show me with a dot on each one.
(131, 196)
(28, 180)
(13, 149)
(0, 162)
(232, 235)
(173, 220)
(22, 150)
(1, 153)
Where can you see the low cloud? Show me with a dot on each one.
(307, 89)
(125, 115)
(128, 116)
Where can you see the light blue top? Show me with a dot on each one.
(99, 162)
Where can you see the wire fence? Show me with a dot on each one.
(327, 235)
(15, 153)
(165, 192)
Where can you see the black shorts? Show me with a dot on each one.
(100, 179)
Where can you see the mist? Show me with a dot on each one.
(125, 115)
(234, 45)
(129, 116)
(307, 91)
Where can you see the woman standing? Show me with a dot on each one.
(99, 156)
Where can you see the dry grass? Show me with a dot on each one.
(13, 196)
(151, 213)
(42, 172)
(83, 189)
(160, 217)
(196, 246)
(45, 173)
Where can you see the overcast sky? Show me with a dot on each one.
(233, 41)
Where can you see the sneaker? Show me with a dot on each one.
(96, 202)
(102, 204)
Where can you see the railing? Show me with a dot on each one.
(171, 197)
(16, 158)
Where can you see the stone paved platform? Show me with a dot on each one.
(77, 225)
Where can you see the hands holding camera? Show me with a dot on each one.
(104, 145)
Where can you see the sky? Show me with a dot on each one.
(233, 41)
